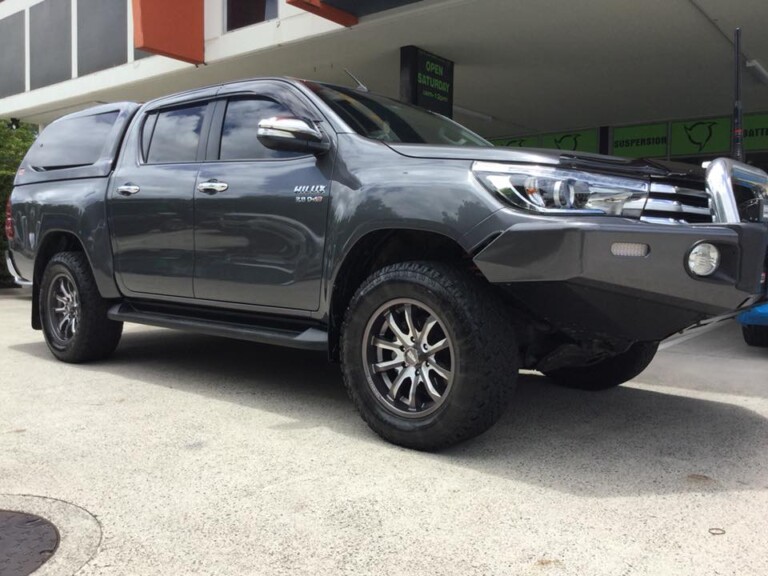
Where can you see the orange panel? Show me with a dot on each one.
(319, 8)
(172, 28)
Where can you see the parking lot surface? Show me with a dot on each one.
(187, 454)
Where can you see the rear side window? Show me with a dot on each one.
(72, 142)
(239, 132)
(176, 135)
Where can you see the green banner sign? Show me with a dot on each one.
(642, 141)
(710, 136)
(756, 132)
(576, 140)
(518, 142)
(681, 138)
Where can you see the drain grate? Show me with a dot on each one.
(26, 542)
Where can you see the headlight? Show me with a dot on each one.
(543, 189)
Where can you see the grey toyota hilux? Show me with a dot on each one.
(431, 264)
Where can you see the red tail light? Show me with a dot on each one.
(8, 220)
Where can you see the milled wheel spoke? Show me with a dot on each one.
(434, 394)
(387, 365)
(428, 326)
(412, 392)
(60, 310)
(73, 325)
(386, 344)
(60, 299)
(439, 370)
(65, 290)
(437, 347)
(395, 388)
(399, 334)
(412, 332)
(62, 323)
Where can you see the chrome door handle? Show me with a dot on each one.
(212, 187)
(128, 190)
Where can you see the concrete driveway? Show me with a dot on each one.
(186, 454)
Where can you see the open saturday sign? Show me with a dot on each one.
(426, 80)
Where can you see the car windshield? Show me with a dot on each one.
(388, 120)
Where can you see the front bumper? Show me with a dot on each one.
(565, 273)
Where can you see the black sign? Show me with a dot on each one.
(426, 80)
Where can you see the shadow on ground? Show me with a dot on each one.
(626, 441)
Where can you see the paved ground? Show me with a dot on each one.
(192, 455)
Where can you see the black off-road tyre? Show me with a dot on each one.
(69, 297)
(755, 335)
(608, 373)
(448, 307)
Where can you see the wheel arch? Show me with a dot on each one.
(54, 242)
(375, 250)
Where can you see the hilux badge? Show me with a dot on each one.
(309, 193)
(314, 189)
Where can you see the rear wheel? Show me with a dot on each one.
(607, 373)
(427, 357)
(755, 335)
(72, 312)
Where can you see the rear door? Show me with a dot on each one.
(260, 215)
(151, 200)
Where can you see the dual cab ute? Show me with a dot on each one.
(431, 264)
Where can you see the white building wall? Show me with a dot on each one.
(148, 77)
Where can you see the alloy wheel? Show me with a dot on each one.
(409, 358)
(64, 309)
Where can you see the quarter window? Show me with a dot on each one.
(239, 132)
(77, 141)
(176, 135)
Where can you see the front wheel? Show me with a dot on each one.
(72, 312)
(607, 373)
(427, 356)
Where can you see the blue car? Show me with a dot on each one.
(754, 325)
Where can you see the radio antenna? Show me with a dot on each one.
(360, 86)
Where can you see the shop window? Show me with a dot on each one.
(241, 13)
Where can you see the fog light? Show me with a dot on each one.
(704, 259)
(630, 249)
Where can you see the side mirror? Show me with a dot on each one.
(292, 135)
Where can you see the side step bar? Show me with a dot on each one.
(309, 339)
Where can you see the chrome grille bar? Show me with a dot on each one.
(671, 204)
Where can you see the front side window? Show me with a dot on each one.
(239, 139)
(176, 135)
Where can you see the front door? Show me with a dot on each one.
(260, 215)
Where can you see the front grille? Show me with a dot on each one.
(669, 203)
